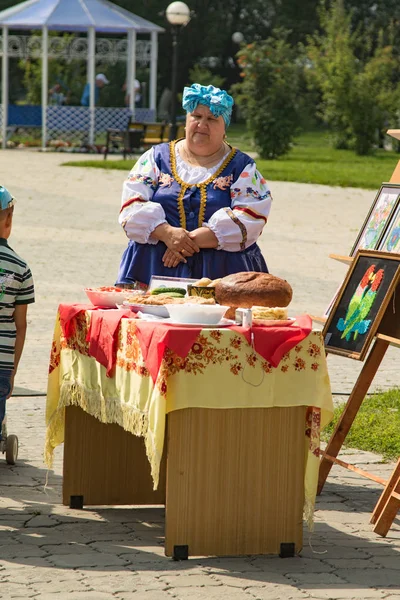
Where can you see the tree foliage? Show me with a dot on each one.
(332, 70)
(268, 94)
(204, 76)
(207, 39)
(352, 71)
(358, 84)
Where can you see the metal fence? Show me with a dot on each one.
(69, 126)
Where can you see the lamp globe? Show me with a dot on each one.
(178, 13)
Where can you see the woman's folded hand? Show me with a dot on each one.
(204, 237)
(176, 238)
(171, 258)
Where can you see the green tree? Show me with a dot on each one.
(70, 75)
(375, 99)
(268, 94)
(207, 39)
(7, 4)
(199, 74)
(332, 70)
(358, 86)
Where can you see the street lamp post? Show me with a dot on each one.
(237, 40)
(178, 15)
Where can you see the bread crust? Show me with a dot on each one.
(250, 288)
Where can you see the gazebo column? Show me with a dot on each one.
(4, 88)
(45, 83)
(153, 70)
(131, 71)
(91, 81)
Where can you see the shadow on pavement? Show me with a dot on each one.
(36, 530)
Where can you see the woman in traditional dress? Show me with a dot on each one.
(194, 207)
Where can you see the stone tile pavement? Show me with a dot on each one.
(65, 226)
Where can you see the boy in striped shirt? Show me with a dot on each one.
(16, 292)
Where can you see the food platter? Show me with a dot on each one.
(274, 322)
(222, 323)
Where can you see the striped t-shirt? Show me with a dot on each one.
(16, 287)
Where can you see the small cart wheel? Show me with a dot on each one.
(11, 449)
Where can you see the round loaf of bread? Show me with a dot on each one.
(250, 288)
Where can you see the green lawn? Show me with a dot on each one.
(376, 427)
(311, 160)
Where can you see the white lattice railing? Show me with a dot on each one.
(71, 48)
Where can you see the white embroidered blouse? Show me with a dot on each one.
(251, 202)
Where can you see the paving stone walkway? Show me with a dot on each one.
(65, 226)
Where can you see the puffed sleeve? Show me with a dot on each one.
(139, 216)
(239, 226)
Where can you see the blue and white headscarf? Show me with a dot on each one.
(218, 101)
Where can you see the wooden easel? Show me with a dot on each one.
(388, 334)
(388, 504)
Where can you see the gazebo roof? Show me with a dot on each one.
(74, 15)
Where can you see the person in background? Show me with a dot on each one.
(57, 96)
(136, 90)
(16, 292)
(165, 106)
(194, 207)
(100, 81)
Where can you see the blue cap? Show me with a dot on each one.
(6, 200)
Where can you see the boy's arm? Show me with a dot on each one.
(20, 313)
(20, 323)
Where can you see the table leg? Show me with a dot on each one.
(235, 480)
(105, 464)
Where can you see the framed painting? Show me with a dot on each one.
(380, 213)
(331, 303)
(361, 303)
(390, 239)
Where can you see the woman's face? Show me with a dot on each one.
(204, 132)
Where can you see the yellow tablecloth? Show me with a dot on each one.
(220, 371)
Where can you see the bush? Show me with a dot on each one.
(359, 96)
(268, 95)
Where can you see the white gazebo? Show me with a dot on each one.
(91, 17)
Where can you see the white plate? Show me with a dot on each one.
(158, 310)
(274, 322)
(222, 323)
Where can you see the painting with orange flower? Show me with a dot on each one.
(361, 303)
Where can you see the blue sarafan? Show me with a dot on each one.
(6, 200)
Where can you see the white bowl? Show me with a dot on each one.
(158, 310)
(205, 314)
(107, 299)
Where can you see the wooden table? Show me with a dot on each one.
(232, 469)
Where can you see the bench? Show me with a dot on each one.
(129, 140)
(139, 137)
